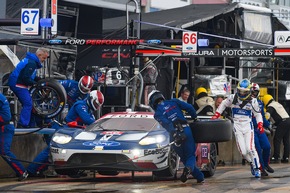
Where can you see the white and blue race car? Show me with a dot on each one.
(121, 141)
(132, 141)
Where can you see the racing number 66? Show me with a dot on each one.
(189, 38)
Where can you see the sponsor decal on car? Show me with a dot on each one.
(112, 133)
(101, 143)
(155, 151)
(126, 151)
(98, 148)
(54, 150)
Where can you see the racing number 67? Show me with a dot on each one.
(26, 14)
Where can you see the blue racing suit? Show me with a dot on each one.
(262, 143)
(6, 136)
(19, 81)
(41, 161)
(72, 90)
(81, 113)
(166, 113)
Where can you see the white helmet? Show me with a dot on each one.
(255, 90)
(86, 83)
(95, 100)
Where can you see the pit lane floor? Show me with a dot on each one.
(226, 179)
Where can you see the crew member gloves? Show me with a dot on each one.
(216, 116)
(261, 128)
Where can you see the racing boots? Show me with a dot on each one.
(257, 173)
(23, 176)
(184, 176)
(269, 169)
(263, 173)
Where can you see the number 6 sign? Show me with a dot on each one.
(29, 21)
(189, 42)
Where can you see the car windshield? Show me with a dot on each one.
(124, 124)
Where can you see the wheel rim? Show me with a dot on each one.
(45, 100)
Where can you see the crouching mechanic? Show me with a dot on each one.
(169, 114)
(243, 106)
(82, 113)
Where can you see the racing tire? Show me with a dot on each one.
(211, 167)
(48, 98)
(211, 131)
(171, 170)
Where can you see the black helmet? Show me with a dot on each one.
(154, 97)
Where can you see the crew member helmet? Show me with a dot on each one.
(95, 100)
(200, 90)
(266, 99)
(154, 97)
(85, 84)
(244, 89)
(255, 90)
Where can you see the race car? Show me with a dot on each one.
(124, 141)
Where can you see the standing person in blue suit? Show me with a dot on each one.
(22, 78)
(6, 135)
(169, 114)
(262, 143)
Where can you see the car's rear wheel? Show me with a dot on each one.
(213, 161)
(171, 170)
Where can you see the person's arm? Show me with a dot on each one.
(187, 107)
(224, 104)
(86, 117)
(266, 123)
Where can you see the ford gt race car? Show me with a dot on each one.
(124, 141)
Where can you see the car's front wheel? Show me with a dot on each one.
(173, 163)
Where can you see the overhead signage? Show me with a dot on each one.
(282, 39)
(232, 52)
(189, 42)
(29, 21)
(202, 52)
(94, 42)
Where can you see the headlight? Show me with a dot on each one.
(152, 140)
(61, 138)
